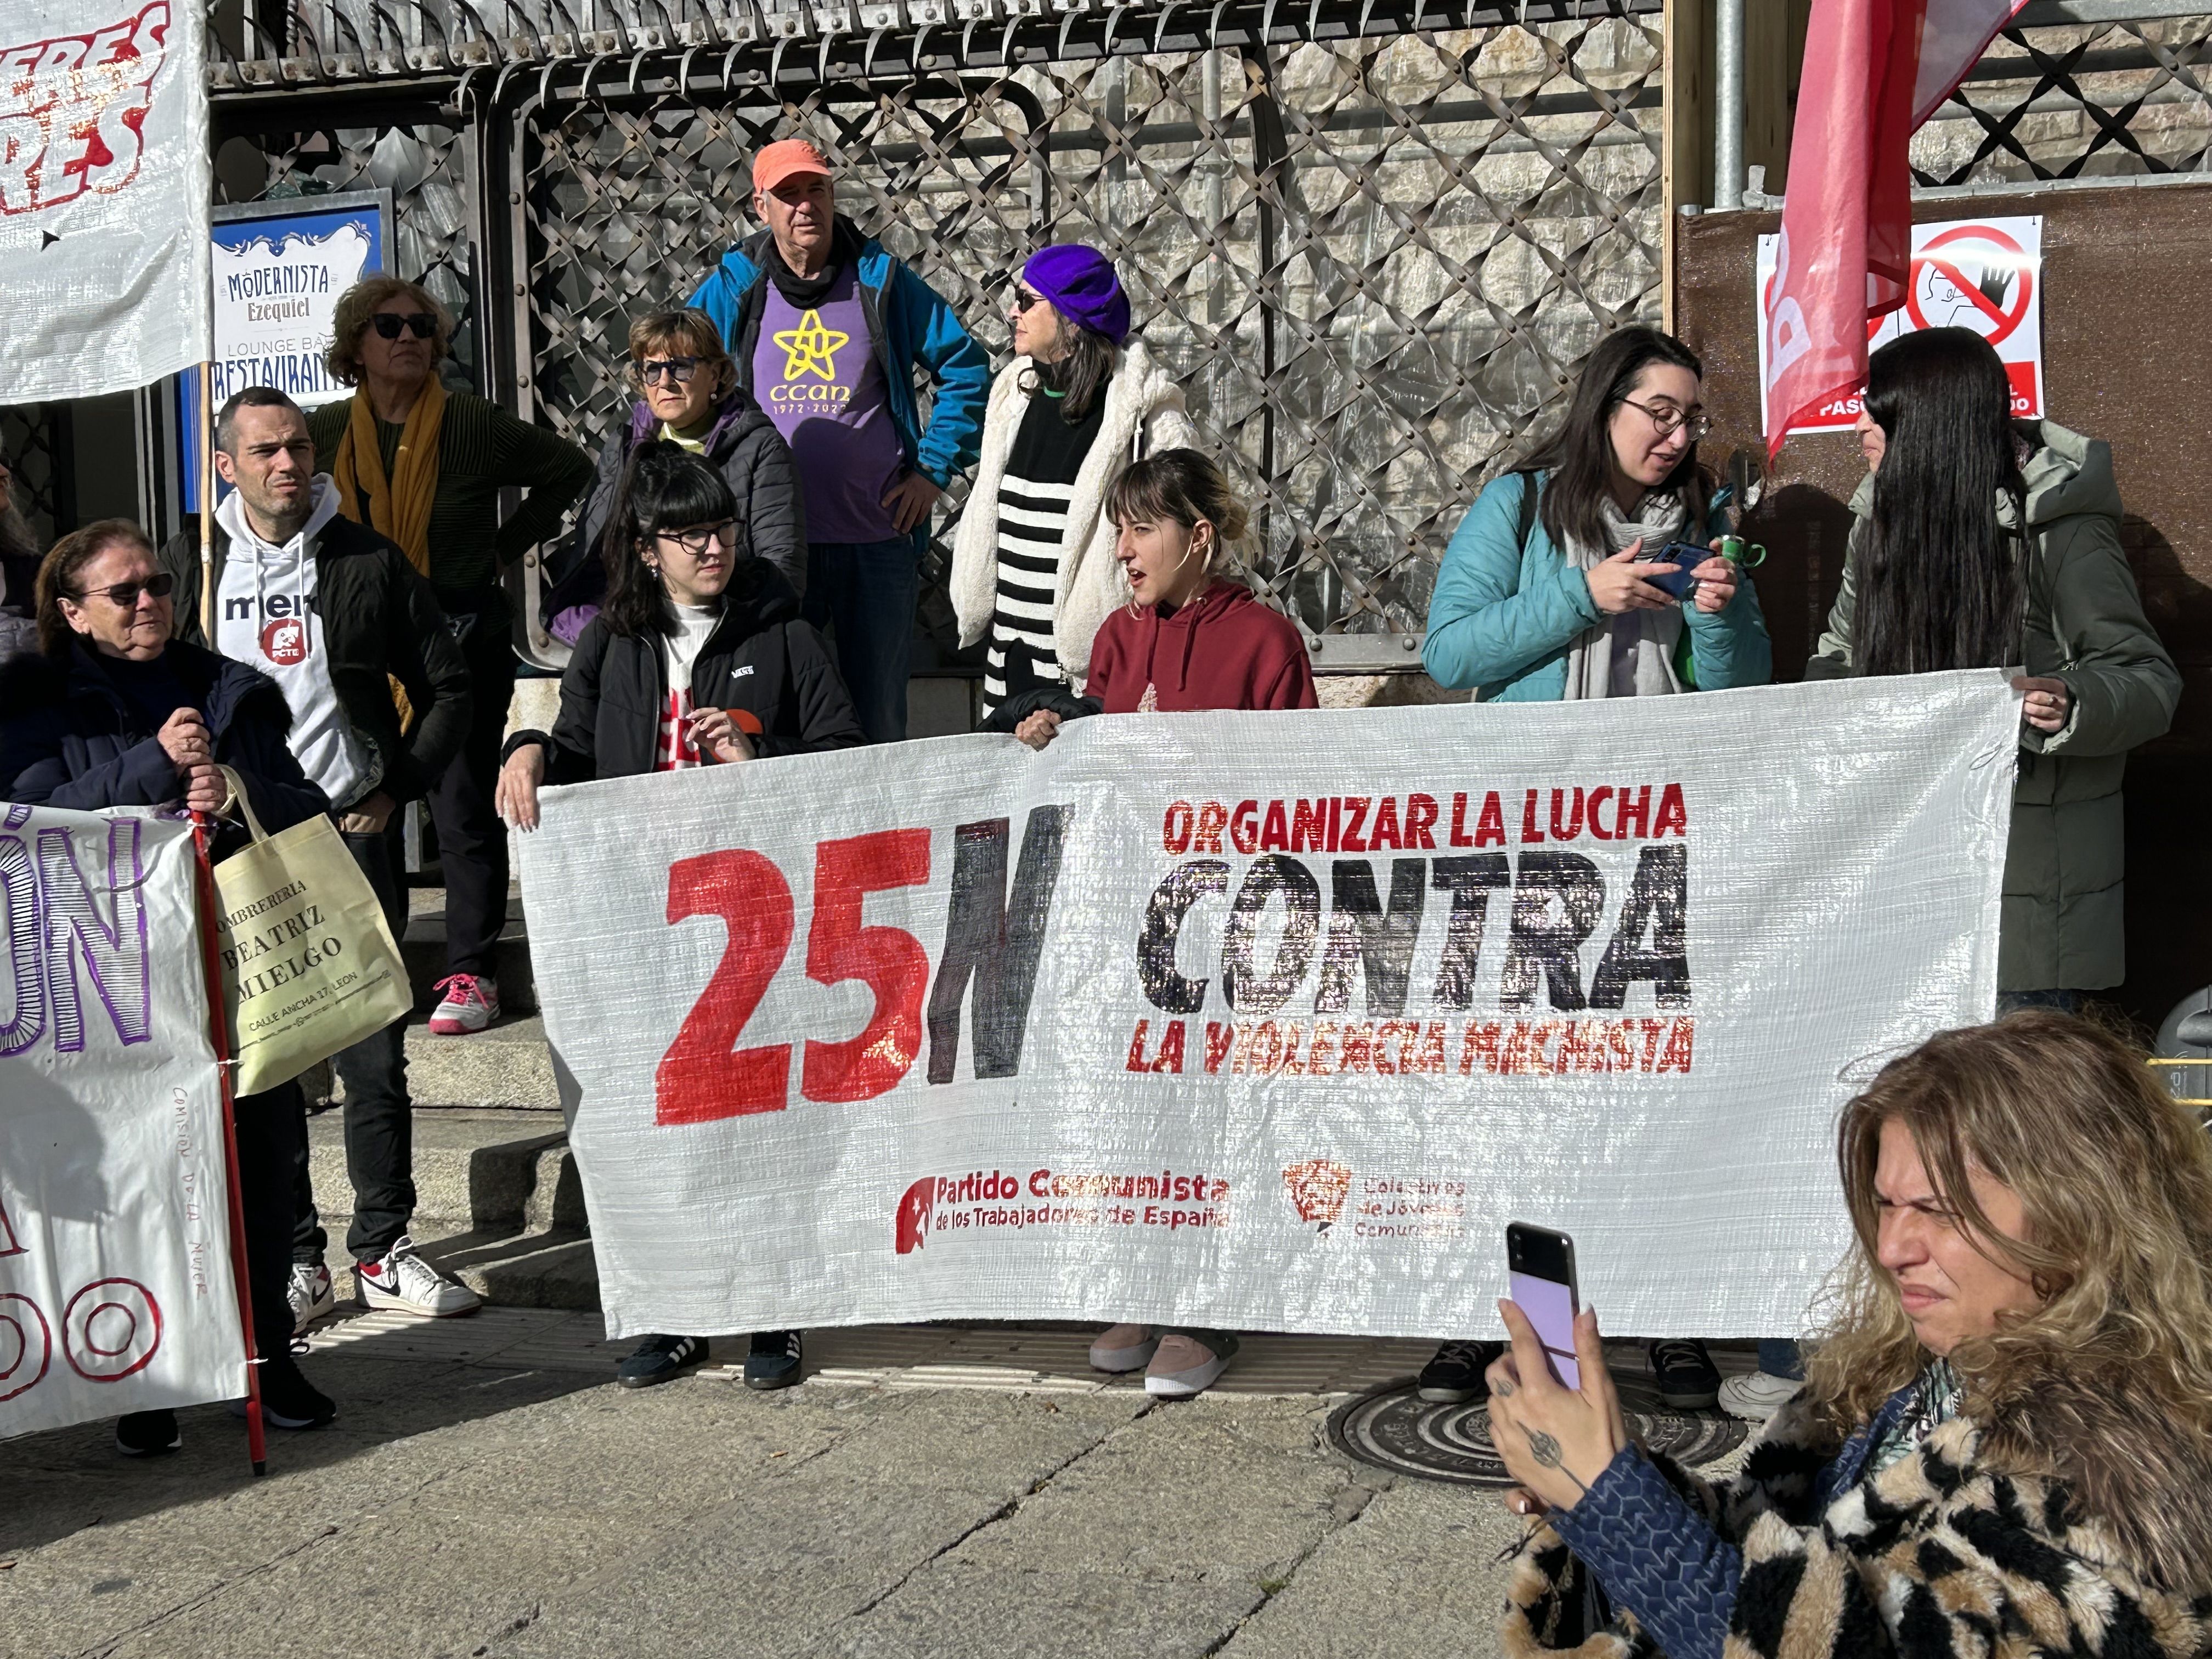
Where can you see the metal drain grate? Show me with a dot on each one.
(1396, 1428)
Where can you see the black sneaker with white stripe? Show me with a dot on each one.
(1454, 1375)
(1688, 1380)
(773, 1361)
(662, 1359)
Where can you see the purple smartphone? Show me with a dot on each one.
(1541, 1266)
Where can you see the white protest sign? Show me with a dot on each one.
(1982, 274)
(116, 1291)
(104, 187)
(1267, 1021)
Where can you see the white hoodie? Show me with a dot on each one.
(268, 619)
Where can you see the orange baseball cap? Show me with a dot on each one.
(786, 159)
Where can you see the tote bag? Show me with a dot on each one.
(309, 966)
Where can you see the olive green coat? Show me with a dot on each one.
(2085, 625)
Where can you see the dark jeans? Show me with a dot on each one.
(471, 841)
(1778, 1357)
(863, 595)
(379, 1119)
(272, 1143)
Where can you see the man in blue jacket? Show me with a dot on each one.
(827, 330)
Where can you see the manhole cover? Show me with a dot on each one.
(1396, 1428)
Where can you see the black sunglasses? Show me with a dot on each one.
(679, 369)
(421, 323)
(125, 594)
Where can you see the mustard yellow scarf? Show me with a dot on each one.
(399, 508)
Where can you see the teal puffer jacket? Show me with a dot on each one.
(1502, 615)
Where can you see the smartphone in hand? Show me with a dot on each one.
(1540, 1269)
(1679, 583)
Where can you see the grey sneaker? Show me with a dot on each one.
(1756, 1397)
(1123, 1348)
(1183, 1366)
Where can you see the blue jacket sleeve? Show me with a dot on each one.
(712, 297)
(1731, 648)
(1656, 1556)
(140, 777)
(1483, 627)
(962, 371)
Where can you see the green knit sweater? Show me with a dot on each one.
(482, 449)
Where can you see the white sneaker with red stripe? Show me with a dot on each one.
(471, 1002)
(400, 1278)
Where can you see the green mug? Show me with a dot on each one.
(1749, 555)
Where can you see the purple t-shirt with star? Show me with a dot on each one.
(816, 373)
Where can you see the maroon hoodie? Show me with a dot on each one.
(1223, 650)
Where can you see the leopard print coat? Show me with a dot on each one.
(1940, 1556)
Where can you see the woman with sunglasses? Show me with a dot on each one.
(697, 657)
(688, 395)
(114, 713)
(1033, 567)
(1543, 595)
(425, 466)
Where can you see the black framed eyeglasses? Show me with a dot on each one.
(678, 371)
(696, 539)
(421, 323)
(125, 594)
(1666, 418)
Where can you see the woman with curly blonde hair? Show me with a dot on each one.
(2004, 1443)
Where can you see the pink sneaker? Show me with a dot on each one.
(471, 1003)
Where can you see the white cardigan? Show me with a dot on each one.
(1091, 582)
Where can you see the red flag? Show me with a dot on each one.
(1874, 70)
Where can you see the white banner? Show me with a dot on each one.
(1982, 274)
(1265, 1021)
(104, 191)
(116, 1293)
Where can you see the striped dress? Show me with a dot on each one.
(1034, 496)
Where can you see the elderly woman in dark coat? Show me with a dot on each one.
(113, 713)
(2004, 1447)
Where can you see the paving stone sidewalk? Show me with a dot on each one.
(942, 1491)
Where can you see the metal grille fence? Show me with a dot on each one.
(35, 439)
(1374, 266)
(422, 163)
(2080, 99)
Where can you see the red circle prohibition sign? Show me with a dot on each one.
(2006, 318)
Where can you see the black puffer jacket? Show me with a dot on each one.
(72, 738)
(381, 622)
(747, 450)
(761, 658)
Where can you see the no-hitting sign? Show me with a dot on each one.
(1982, 274)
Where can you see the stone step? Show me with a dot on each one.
(472, 1169)
(508, 1266)
(498, 1204)
(506, 1066)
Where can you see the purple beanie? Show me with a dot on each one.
(1080, 282)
